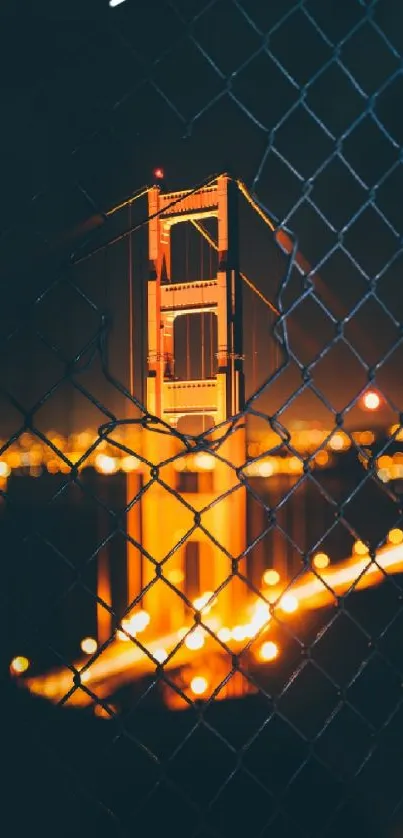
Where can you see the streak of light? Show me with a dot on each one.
(120, 663)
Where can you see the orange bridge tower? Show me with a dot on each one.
(191, 518)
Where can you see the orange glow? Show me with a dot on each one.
(395, 536)
(371, 400)
(19, 665)
(321, 560)
(204, 461)
(105, 464)
(360, 549)
(160, 655)
(271, 577)
(195, 640)
(89, 645)
(158, 173)
(268, 651)
(5, 469)
(289, 603)
(129, 463)
(199, 685)
(200, 604)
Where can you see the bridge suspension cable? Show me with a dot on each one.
(243, 276)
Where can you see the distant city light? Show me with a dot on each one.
(224, 634)
(195, 640)
(289, 603)
(19, 665)
(395, 536)
(105, 464)
(360, 549)
(159, 174)
(4, 469)
(271, 577)
(268, 651)
(199, 685)
(321, 560)
(88, 645)
(160, 655)
(371, 400)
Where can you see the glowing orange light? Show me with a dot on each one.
(289, 603)
(268, 651)
(204, 461)
(88, 645)
(395, 536)
(271, 577)
(159, 174)
(19, 665)
(360, 549)
(321, 560)
(160, 655)
(195, 640)
(371, 400)
(199, 685)
(224, 634)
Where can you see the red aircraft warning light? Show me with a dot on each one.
(159, 174)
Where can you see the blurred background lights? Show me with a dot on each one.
(268, 651)
(88, 645)
(271, 577)
(19, 665)
(371, 400)
(199, 685)
(320, 561)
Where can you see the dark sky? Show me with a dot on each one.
(302, 101)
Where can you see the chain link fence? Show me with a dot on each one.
(287, 720)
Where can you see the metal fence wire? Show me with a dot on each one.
(212, 655)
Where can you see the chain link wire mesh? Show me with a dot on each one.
(301, 102)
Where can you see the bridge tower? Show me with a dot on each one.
(200, 547)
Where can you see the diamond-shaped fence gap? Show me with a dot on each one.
(121, 790)
(329, 792)
(339, 111)
(272, 97)
(338, 393)
(163, 23)
(310, 311)
(307, 157)
(336, 177)
(387, 197)
(278, 184)
(268, 17)
(297, 408)
(136, 120)
(370, 150)
(369, 59)
(222, 760)
(206, 82)
(244, 40)
(390, 642)
(345, 726)
(275, 753)
(378, 611)
(230, 819)
(371, 332)
(315, 235)
(376, 691)
(371, 241)
(341, 633)
(387, 378)
(68, 324)
(297, 701)
(301, 64)
(386, 17)
(335, 27)
(71, 399)
(340, 284)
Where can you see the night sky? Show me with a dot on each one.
(94, 98)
